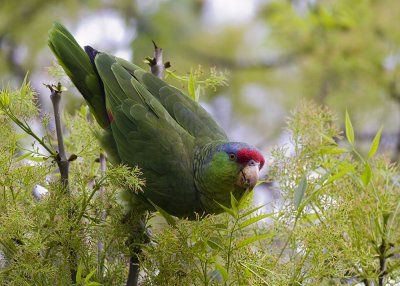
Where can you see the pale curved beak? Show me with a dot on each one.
(248, 176)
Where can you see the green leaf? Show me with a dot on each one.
(349, 129)
(222, 270)
(375, 144)
(366, 175)
(83, 111)
(191, 86)
(23, 156)
(254, 220)
(79, 273)
(245, 200)
(4, 98)
(327, 138)
(170, 219)
(234, 205)
(93, 283)
(31, 157)
(252, 239)
(219, 226)
(299, 193)
(87, 278)
(215, 243)
(234, 202)
(228, 210)
(332, 150)
(251, 211)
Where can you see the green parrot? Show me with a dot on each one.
(188, 163)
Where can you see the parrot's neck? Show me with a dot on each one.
(215, 180)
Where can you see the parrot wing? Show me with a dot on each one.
(185, 111)
(146, 135)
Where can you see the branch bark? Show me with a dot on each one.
(156, 64)
(63, 165)
(61, 158)
(103, 215)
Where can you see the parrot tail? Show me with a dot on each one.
(79, 66)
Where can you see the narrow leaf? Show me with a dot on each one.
(366, 175)
(251, 211)
(222, 270)
(191, 88)
(245, 200)
(215, 243)
(79, 273)
(219, 226)
(299, 193)
(23, 156)
(170, 219)
(327, 138)
(254, 220)
(87, 278)
(333, 150)
(234, 202)
(349, 129)
(252, 239)
(375, 144)
(228, 210)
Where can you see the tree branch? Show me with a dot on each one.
(156, 64)
(61, 158)
(63, 165)
(103, 215)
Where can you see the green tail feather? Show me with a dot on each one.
(79, 69)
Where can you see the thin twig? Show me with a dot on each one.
(103, 215)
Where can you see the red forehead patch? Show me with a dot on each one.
(245, 155)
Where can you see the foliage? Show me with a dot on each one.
(337, 219)
(197, 81)
(37, 236)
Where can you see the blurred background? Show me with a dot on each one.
(340, 53)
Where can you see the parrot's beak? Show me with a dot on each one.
(248, 175)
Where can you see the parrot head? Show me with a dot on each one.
(224, 168)
(243, 161)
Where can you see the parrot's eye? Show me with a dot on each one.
(232, 156)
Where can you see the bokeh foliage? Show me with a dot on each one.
(341, 53)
